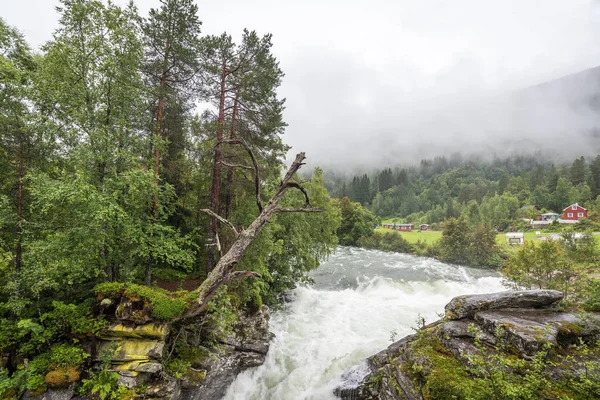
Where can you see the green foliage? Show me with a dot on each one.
(592, 296)
(102, 384)
(177, 367)
(387, 241)
(72, 320)
(65, 356)
(356, 222)
(220, 318)
(543, 266)
(455, 242)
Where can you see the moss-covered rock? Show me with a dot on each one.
(132, 350)
(62, 377)
(147, 331)
(507, 353)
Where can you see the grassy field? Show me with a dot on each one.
(433, 236)
(428, 237)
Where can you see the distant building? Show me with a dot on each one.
(548, 217)
(399, 227)
(574, 212)
(515, 238)
(424, 227)
(405, 227)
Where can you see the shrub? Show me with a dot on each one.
(103, 384)
(65, 356)
(592, 302)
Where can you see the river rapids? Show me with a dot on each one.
(361, 301)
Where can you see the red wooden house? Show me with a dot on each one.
(405, 227)
(574, 212)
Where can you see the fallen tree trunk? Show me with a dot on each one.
(225, 271)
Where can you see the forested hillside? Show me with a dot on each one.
(493, 192)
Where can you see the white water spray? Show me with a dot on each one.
(360, 301)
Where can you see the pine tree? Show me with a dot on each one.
(172, 62)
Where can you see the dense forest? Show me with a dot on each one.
(495, 192)
(130, 146)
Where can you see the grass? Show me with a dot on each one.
(430, 237)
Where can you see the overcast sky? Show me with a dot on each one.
(371, 81)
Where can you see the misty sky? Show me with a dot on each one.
(370, 82)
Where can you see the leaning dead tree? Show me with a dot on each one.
(225, 270)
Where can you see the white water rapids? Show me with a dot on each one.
(360, 300)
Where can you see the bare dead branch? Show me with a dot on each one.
(300, 188)
(226, 164)
(221, 219)
(299, 210)
(224, 271)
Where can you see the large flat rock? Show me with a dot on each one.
(466, 306)
(528, 330)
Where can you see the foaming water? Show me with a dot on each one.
(360, 300)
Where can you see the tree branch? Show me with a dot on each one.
(224, 271)
(300, 188)
(226, 164)
(298, 210)
(223, 220)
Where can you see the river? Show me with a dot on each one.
(361, 301)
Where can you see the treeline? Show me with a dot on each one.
(491, 191)
(107, 169)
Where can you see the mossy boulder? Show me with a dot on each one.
(62, 377)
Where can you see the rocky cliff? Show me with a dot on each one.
(137, 347)
(508, 345)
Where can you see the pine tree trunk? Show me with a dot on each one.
(159, 118)
(215, 190)
(229, 185)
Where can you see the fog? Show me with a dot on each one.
(391, 82)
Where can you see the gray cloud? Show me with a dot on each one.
(374, 82)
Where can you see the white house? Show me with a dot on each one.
(515, 238)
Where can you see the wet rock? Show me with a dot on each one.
(466, 306)
(147, 331)
(150, 368)
(165, 388)
(529, 330)
(247, 348)
(132, 350)
(50, 394)
(520, 322)
(129, 379)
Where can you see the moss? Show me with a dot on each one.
(62, 377)
(195, 376)
(150, 331)
(164, 305)
(570, 329)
